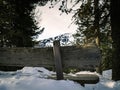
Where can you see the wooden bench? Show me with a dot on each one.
(56, 57)
(80, 78)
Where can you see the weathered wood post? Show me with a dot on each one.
(57, 58)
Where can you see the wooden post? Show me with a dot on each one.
(57, 57)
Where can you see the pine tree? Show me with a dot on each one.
(115, 24)
(17, 25)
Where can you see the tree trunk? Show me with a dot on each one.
(115, 26)
(96, 22)
(96, 28)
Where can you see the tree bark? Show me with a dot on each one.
(115, 26)
(96, 28)
(96, 22)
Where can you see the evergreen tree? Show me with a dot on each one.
(103, 13)
(6, 22)
(115, 24)
(19, 28)
(93, 20)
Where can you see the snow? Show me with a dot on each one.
(107, 74)
(35, 78)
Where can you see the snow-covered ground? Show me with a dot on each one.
(35, 78)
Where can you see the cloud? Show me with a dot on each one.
(54, 23)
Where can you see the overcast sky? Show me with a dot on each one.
(54, 23)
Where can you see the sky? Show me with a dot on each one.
(54, 22)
